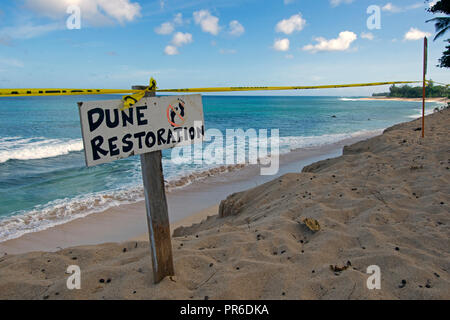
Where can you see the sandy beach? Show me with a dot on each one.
(384, 202)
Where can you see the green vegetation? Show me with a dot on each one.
(431, 91)
(442, 25)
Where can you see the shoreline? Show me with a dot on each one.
(442, 100)
(128, 221)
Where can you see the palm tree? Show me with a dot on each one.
(442, 25)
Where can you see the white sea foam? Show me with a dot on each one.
(18, 148)
(437, 104)
(419, 115)
(349, 99)
(326, 139)
(64, 210)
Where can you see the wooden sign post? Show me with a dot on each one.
(155, 123)
(425, 67)
(157, 215)
(157, 211)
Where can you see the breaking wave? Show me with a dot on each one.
(18, 148)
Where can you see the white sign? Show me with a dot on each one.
(152, 124)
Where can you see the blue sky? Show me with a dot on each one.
(199, 43)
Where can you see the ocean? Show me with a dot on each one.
(44, 180)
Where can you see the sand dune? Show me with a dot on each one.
(385, 202)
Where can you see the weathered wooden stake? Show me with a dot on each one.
(425, 63)
(157, 212)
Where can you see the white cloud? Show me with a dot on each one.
(28, 31)
(165, 28)
(5, 40)
(180, 39)
(281, 44)
(96, 12)
(288, 26)
(367, 35)
(169, 27)
(415, 6)
(121, 10)
(11, 62)
(341, 43)
(416, 34)
(335, 3)
(171, 50)
(178, 19)
(389, 7)
(236, 29)
(207, 22)
(227, 51)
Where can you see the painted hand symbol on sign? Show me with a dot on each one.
(176, 114)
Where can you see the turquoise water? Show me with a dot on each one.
(44, 181)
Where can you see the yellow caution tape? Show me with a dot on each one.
(131, 100)
(225, 89)
(59, 92)
(137, 95)
(67, 92)
(434, 82)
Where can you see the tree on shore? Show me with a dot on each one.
(442, 25)
(431, 91)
